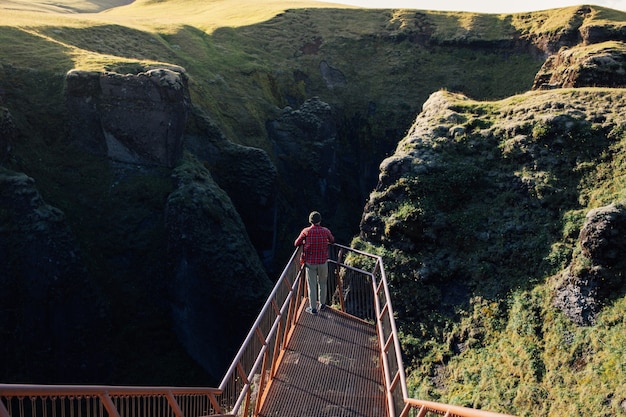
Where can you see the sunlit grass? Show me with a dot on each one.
(207, 15)
(64, 6)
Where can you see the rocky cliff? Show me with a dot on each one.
(482, 205)
(175, 234)
(129, 118)
(470, 191)
(49, 303)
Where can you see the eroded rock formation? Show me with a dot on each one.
(597, 65)
(49, 303)
(598, 270)
(216, 281)
(129, 118)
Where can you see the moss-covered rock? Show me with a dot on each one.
(477, 215)
(596, 273)
(598, 65)
(216, 281)
(50, 305)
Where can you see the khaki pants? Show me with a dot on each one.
(317, 281)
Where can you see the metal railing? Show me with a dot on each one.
(420, 408)
(398, 401)
(364, 293)
(245, 382)
(18, 400)
(358, 287)
(360, 292)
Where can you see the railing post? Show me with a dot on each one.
(108, 404)
(406, 410)
(340, 255)
(174, 404)
(3, 410)
(262, 381)
(214, 403)
(277, 349)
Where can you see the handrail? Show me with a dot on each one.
(118, 401)
(362, 291)
(389, 345)
(255, 363)
(446, 409)
(398, 401)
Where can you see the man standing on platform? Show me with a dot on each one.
(315, 240)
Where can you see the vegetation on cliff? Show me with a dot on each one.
(478, 212)
(499, 214)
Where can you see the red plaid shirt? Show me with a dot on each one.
(315, 239)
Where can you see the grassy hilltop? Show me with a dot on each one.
(474, 188)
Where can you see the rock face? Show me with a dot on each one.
(598, 271)
(465, 199)
(598, 34)
(246, 174)
(136, 119)
(306, 136)
(132, 127)
(587, 55)
(49, 305)
(8, 133)
(599, 65)
(217, 283)
(304, 141)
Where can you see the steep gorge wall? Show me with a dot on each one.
(141, 245)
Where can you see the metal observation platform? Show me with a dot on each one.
(343, 362)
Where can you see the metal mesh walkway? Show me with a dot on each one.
(330, 368)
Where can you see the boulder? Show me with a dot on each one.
(603, 237)
(597, 273)
(597, 65)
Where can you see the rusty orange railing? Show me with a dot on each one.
(255, 364)
(372, 302)
(18, 400)
(398, 401)
(360, 289)
(419, 408)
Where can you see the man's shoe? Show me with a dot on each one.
(311, 310)
(322, 307)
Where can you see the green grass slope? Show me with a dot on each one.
(67, 6)
(257, 48)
